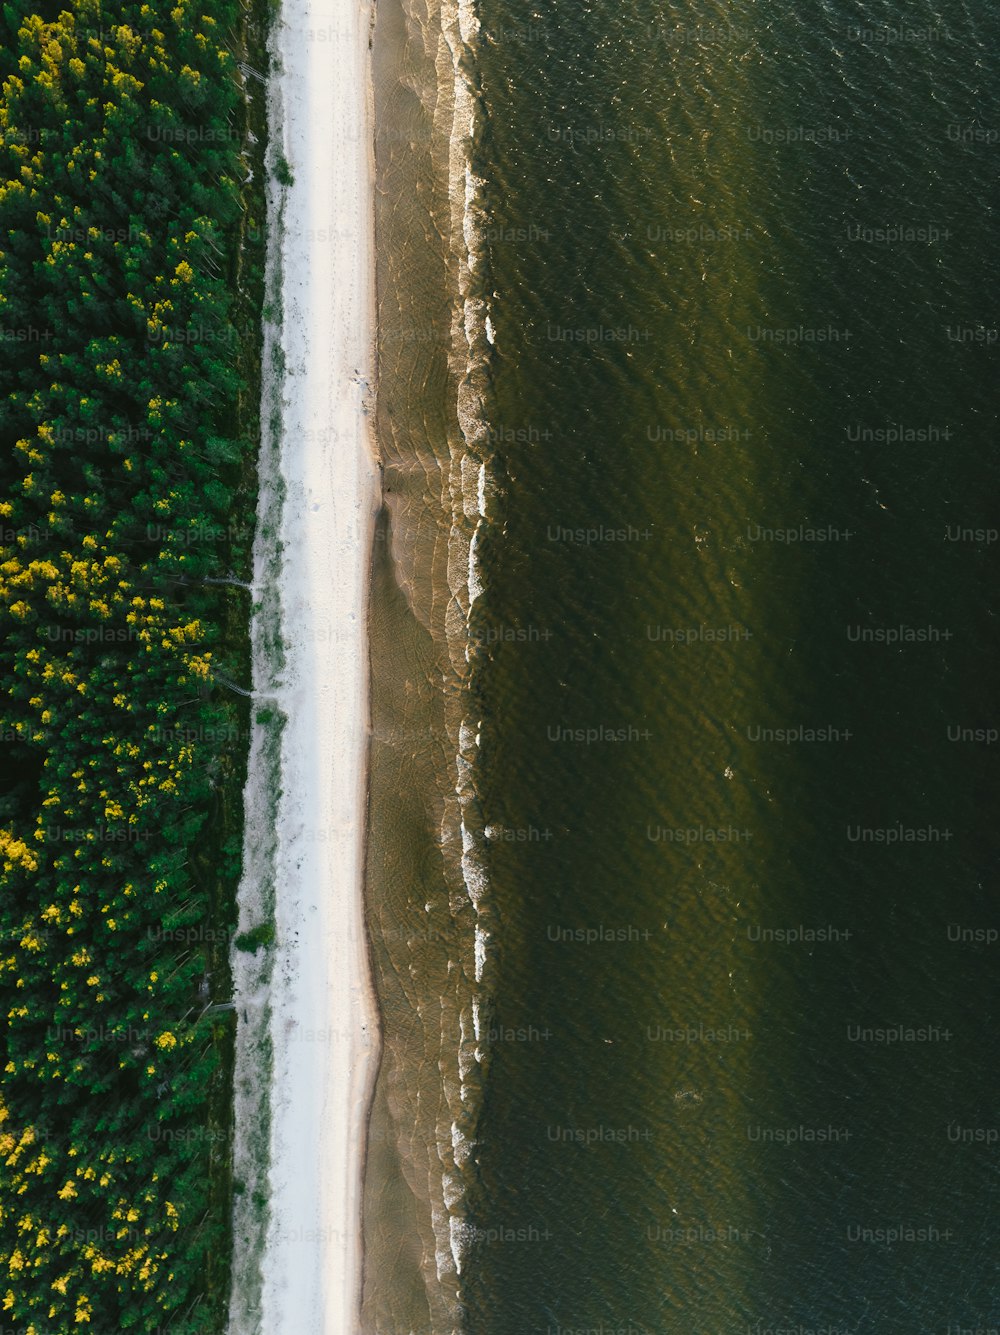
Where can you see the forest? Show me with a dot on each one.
(131, 256)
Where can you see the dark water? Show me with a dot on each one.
(633, 1164)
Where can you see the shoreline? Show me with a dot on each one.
(426, 889)
(318, 1002)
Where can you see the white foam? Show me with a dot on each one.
(468, 21)
(467, 491)
(445, 1257)
(457, 1230)
(454, 1189)
(481, 939)
(473, 870)
(476, 584)
(460, 1144)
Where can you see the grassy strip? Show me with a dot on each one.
(251, 1070)
(217, 860)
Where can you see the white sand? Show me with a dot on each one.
(323, 1019)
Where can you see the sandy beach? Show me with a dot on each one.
(323, 1019)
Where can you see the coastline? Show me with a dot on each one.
(427, 898)
(297, 1268)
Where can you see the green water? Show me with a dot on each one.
(626, 1176)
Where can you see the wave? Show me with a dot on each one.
(473, 339)
(431, 406)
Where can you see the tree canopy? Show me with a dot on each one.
(122, 209)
